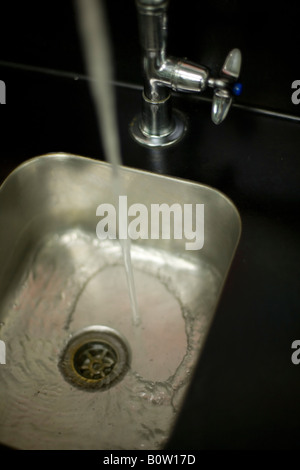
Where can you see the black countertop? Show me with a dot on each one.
(245, 392)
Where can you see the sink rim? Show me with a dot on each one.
(66, 155)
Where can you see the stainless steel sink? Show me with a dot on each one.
(78, 374)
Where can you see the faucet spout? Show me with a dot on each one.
(153, 36)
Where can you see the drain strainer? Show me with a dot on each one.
(95, 358)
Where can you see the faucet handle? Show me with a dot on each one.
(222, 101)
(232, 65)
(225, 86)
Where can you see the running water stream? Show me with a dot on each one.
(97, 53)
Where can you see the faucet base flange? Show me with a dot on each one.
(179, 129)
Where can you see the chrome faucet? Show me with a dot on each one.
(160, 125)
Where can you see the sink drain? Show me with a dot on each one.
(95, 358)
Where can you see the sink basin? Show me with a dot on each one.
(78, 373)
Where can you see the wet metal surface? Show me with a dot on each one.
(57, 278)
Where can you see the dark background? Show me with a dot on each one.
(44, 34)
(245, 392)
